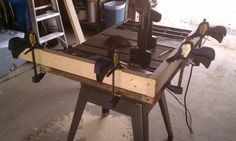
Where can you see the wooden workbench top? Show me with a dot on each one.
(79, 62)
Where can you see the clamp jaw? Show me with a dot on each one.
(106, 66)
(18, 45)
(192, 50)
(33, 43)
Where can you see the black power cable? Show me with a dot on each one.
(173, 95)
(187, 112)
(185, 102)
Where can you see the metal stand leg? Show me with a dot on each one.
(77, 115)
(146, 110)
(137, 124)
(140, 122)
(138, 111)
(166, 117)
(105, 112)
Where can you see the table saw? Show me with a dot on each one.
(140, 88)
(152, 57)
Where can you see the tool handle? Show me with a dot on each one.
(217, 32)
(116, 58)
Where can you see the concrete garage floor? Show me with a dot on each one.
(43, 111)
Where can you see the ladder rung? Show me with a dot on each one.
(43, 7)
(50, 36)
(47, 16)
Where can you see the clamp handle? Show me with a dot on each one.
(32, 39)
(116, 58)
(33, 43)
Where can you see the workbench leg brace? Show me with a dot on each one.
(138, 111)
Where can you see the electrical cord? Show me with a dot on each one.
(187, 112)
(185, 102)
(189, 123)
(173, 95)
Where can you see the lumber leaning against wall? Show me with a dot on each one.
(74, 21)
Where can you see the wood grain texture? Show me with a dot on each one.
(165, 72)
(123, 92)
(137, 82)
(131, 13)
(144, 83)
(125, 79)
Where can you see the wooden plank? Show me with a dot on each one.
(126, 79)
(74, 21)
(145, 84)
(165, 71)
(131, 13)
(119, 91)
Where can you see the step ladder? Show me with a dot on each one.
(53, 13)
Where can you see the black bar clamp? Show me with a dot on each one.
(33, 44)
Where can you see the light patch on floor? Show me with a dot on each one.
(92, 127)
(188, 14)
(185, 11)
(64, 125)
